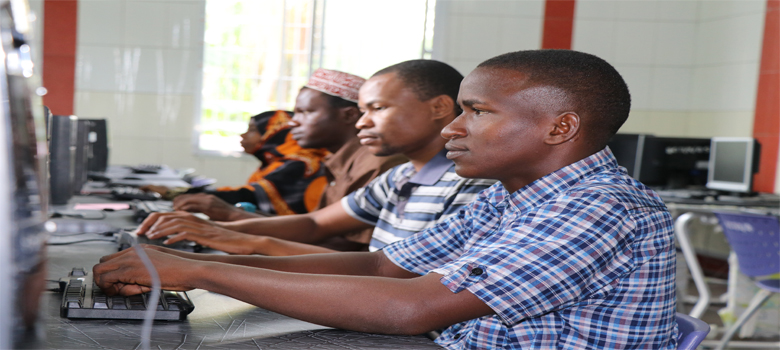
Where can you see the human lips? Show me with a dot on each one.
(455, 151)
(368, 138)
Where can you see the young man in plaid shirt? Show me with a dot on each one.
(565, 252)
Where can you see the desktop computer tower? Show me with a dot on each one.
(98, 145)
(23, 190)
(83, 150)
(62, 161)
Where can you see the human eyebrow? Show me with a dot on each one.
(470, 103)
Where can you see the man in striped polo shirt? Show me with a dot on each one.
(405, 106)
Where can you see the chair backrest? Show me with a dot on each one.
(756, 241)
(691, 331)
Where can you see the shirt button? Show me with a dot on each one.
(476, 271)
(457, 336)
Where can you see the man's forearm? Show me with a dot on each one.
(279, 247)
(297, 228)
(321, 299)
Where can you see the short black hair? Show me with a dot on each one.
(427, 79)
(591, 84)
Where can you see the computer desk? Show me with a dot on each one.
(218, 322)
(685, 211)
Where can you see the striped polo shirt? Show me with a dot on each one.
(402, 201)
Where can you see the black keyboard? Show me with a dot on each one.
(130, 193)
(142, 209)
(81, 298)
(146, 169)
(129, 238)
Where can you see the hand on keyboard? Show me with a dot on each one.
(83, 299)
(204, 233)
(159, 223)
(124, 273)
(208, 204)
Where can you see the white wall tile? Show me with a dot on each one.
(671, 88)
(635, 42)
(97, 68)
(180, 154)
(596, 37)
(677, 10)
(132, 150)
(475, 38)
(638, 79)
(227, 170)
(147, 24)
(596, 9)
(674, 43)
(187, 20)
(637, 10)
(709, 124)
(165, 71)
(720, 9)
(101, 23)
(730, 40)
(518, 34)
(725, 87)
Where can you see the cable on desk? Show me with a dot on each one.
(146, 329)
(102, 233)
(78, 216)
(82, 241)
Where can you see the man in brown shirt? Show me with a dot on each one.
(349, 169)
(324, 117)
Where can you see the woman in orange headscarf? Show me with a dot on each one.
(290, 179)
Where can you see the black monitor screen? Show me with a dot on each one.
(730, 162)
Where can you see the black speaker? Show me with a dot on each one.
(98, 141)
(62, 157)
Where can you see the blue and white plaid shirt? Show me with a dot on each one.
(582, 258)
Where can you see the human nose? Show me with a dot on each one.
(296, 120)
(454, 130)
(364, 122)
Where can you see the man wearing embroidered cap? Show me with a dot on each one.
(325, 116)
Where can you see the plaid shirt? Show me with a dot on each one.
(582, 258)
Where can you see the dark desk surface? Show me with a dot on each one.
(218, 322)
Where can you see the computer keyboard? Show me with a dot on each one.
(129, 238)
(81, 298)
(142, 209)
(146, 169)
(130, 193)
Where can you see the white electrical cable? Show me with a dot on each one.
(154, 298)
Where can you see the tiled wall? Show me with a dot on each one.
(138, 65)
(467, 32)
(691, 65)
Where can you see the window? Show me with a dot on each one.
(257, 54)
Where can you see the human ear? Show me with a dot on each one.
(565, 127)
(442, 106)
(350, 115)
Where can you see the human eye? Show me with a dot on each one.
(478, 111)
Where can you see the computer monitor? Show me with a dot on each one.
(733, 161)
(641, 155)
(22, 189)
(685, 162)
